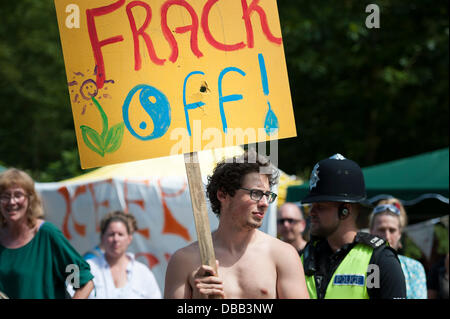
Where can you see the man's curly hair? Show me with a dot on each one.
(229, 174)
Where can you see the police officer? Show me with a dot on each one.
(339, 261)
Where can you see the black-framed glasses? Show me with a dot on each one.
(289, 220)
(386, 207)
(257, 194)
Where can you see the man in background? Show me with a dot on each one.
(291, 225)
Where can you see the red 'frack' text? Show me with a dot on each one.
(193, 28)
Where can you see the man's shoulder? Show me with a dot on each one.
(381, 249)
(270, 241)
(188, 253)
(189, 249)
(277, 246)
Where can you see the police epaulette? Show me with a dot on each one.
(369, 240)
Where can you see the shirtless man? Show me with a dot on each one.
(251, 264)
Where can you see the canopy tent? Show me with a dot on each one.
(162, 166)
(155, 191)
(411, 179)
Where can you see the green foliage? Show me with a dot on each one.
(410, 249)
(36, 125)
(373, 95)
(441, 233)
(66, 167)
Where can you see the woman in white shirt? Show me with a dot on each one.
(117, 274)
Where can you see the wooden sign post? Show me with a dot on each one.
(200, 211)
(199, 208)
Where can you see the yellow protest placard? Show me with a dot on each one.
(154, 78)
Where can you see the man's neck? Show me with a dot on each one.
(341, 237)
(299, 243)
(232, 239)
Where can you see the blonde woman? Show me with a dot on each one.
(34, 254)
(388, 220)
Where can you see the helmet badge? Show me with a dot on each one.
(314, 177)
(338, 157)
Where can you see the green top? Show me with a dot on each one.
(38, 269)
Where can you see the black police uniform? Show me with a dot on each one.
(337, 179)
(322, 262)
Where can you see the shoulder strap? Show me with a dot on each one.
(369, 240)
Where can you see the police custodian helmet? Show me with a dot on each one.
(336, 179)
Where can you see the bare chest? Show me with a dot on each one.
(252, 276)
